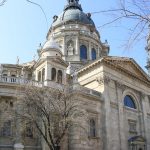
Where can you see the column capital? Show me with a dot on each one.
(121, 86)
(103, 80)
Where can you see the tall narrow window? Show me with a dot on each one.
(29, 130)
(53, 74)
(6, 129)
(83, 52)
(39, 76)
(59, 76)
(92, 128)
(13, 78)
(129, 102)
(93, 53)
(43, 74)
(5, 77)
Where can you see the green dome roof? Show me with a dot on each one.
(73, 12)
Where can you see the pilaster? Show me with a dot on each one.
(104, 80)
(144, 100)
(119, 92)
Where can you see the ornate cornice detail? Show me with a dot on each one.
(143, 96)
(103, 80)
(121, 86)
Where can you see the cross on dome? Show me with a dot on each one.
(73, 4)
(73, 1)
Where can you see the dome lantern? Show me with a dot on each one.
(73, 4)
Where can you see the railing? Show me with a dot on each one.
(18, 80)
(22, 81)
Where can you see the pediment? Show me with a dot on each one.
(59, 61)
(127, 65)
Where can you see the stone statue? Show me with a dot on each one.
(23, 71)
(17, 60)
(70, 49)
(1, 69)
(69, 69)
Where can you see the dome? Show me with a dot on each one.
(73, 12)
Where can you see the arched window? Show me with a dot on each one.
(43, 74)
(59, 76)
(92, 128)
(129, 102)
(93, 54)
(53, 74)
(13, 78)
(83, 52)
(39, 76)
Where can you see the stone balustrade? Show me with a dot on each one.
(23, 81)
(18, 80)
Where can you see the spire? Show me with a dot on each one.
(73, 4)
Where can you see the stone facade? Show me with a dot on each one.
(114, 91)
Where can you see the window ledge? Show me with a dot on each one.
(134, 132)
(130, 109)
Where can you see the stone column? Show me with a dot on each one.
(47, 74)
(89, 52)
(119, 91)
(77, 46)
(64, 47)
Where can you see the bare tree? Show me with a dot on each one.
(135, 14)
(2, 2)
(52, 112)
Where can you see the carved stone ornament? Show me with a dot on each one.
(121, 86)
(103, 80)
(143, 95)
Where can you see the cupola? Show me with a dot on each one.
(50, 48)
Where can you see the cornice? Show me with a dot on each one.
(127, 73)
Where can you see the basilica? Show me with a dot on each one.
(115, 91)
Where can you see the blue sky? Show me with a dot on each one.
(23, 27)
